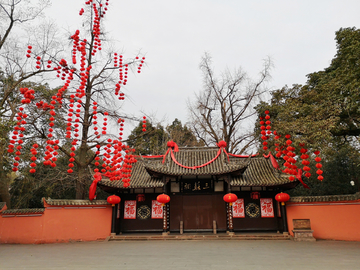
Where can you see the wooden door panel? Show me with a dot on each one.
(190, 213)
(219, 211)
(204, 212)
(176, 212)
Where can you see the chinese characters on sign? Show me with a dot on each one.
(238, 208)
(267, 209)
(156, 209)
(130, 209)
(197, 186)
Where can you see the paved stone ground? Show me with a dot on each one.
(218, 254)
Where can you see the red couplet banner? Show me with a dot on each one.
(238, 208)
(267, 209)
(156, 209)
(130, 209)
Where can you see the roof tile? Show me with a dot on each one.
(191, 157)
(256, 171)
(260, 172)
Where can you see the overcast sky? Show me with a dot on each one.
(297, 35)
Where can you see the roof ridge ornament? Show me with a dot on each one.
(172, 144)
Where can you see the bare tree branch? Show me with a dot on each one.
(220, 109)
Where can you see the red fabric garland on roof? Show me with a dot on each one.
(193, 167)
(274, 162)
(176, 162)
(298, 176)
(167, 152)
(92, 189)
(207, 163)
(221, 145)
(172, 144)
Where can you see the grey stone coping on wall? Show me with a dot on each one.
(24, 211)
(64, 202)
(327, 198)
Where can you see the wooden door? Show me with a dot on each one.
(197, 212)
(204, 212)
(190, 216)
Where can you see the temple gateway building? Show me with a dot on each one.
(196, 179)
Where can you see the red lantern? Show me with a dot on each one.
(140, 197)
(230, 198)
(113, 199)
(282, 197)
(163, 198)
(255, 195)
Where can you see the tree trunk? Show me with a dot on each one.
(82, 173)
(4, 190)
(81, 184)
(4, 179)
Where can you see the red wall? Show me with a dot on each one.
(57, 224)
(329, 220)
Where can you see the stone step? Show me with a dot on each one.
(199, 237)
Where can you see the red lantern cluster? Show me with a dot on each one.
(103, 132)
(318, 165)
(140, 64)
(290, 161)
(38, 62)
(29, 48)
(18, 132)
(265, 129)
(114, 166)
(121, 76)
(121, 122)
(144, 124)
(289, 152)
(163, 198)
(96, 31)
(76, 46)
(304, 161)
(28, 95)
(278, 149)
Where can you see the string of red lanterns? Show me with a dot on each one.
(304, 161)
(318, 165)
(144, 124)
(113, 155)
(289, 152)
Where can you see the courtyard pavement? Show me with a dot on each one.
(193, 254)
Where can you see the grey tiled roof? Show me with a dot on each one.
(23, 211)
(60, 202)
(194, 157)
(260, 172)
(327, 198)
(139, 179)
(256, 171)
